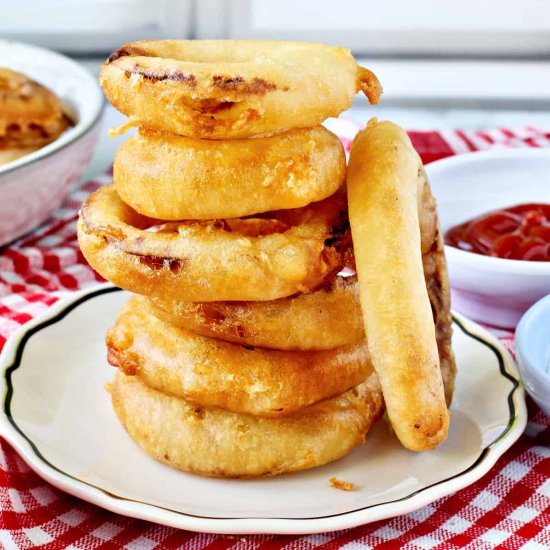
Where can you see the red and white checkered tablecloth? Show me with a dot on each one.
(508, 508)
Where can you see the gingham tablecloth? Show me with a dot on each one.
(508, 508)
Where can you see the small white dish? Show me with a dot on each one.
(495, 291)
(58, 416)
(533, 352)
(32, 187)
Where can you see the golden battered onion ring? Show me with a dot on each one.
(234, 259)
(324, 319)
(31, 116)
(177, 178)
(213, 373)
(221, 89)
(212, 442)
(383, 190)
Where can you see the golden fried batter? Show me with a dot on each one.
(329, 316)
(385, 184)
(323, 319)
(31, 116)
(260, 258)
(242, 379)
(226, 89)
(213, 442)
(178, 178)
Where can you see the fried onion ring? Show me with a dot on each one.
(222, 89)
(261, 258)
(383, 194)
(212, 442)
(324, 319)
(176, 178)
(213, 373)
(31, 116)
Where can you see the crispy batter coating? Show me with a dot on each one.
(223, 89)
(385, 183)
(261, 258)
(177, 178)
(323, 319)
(212, 442)
(341, 485)
(211, 372)
(31, 116)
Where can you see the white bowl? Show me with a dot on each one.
(33, 186)
(533, 352)
(491, 290)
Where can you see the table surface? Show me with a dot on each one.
(508, 508)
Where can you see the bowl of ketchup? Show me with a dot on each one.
(494, 208)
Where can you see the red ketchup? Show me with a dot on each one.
(520, 232)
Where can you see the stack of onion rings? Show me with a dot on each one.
(244, 353)
(255, 216)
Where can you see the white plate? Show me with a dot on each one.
(58, 416)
